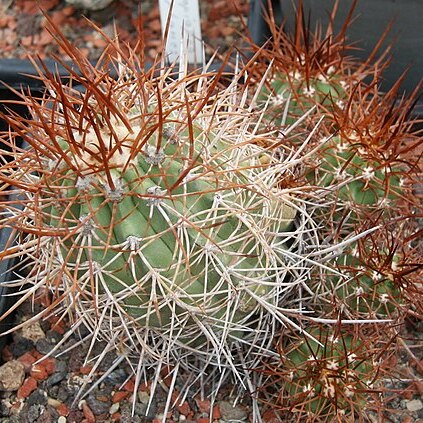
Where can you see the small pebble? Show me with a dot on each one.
(55, 378)
(12, 375)
(20, 346)
(4, 409)
(34, 412)
(414, 405)
(53, 402)
(143, 397)
(117, 377)
(61, 419)
(114, 408)
(33, 332)
(61, 366)
(38, 397)
(231, 413)
(63, 393)
(97, 406)
(44, 346)
(90, 4)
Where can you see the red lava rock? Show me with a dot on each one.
(154, 13)
(63, 409)
(214, 32)
(39, 372)
(116, 417)
(12, 24)
(216, 415)
(184, 408)
(88, 414)
(203, 405)
(29, 6)
(59, 327)
(137, 20)
(85, 51)
(408, 393)
(227, 30)
(129, 386)
(57, 18)
(419, 386)
(390, 362)
(119, 396)
(37, 354)
(203, 420)
(68, 10)
(99, 42)
(407, 419)
(49, 364)
(85, 370)
(222, 9)
(144, 387)
(270, 416)
(155, 25)
(27, 360)
(43, 296)
(29, 385)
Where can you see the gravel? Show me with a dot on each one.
(231, 413)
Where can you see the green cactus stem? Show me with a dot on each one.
(365, 181)
(327, 378)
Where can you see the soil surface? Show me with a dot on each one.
(23, 26)
(40, 384)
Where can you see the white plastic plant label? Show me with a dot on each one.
(184, 30)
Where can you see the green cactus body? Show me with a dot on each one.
(324, 90)
(365, 292)
(326, 378)
(173, 245)
(356, 180)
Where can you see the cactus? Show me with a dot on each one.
(177, 210)
(312, 67)
(360, 183)
(361, 161)
(159, 216)
(327, 89)
(168, 220)
(360, 289)
(329, 378)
